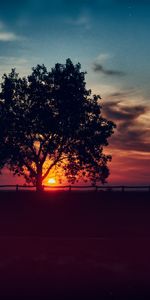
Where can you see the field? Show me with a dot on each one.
(71, 245)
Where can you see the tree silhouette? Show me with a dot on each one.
(50, 119)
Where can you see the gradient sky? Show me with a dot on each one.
(110, 38)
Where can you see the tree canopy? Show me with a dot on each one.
(50, 119)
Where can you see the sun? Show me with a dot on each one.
(51, 181)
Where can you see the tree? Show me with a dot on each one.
(51, 119)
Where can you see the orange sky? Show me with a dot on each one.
(126, 167)
(129, 167)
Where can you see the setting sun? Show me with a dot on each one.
(51, 181)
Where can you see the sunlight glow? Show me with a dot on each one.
(51, 181)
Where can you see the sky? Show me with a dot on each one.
(110, 38)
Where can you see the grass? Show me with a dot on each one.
(71, 244)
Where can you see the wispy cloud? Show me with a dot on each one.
(129, 145)
(103, 57)
(10, 60)
(129, 167)
(133, 131)
(120, 94)
(97, 67)
(122, 112)
(6, 35)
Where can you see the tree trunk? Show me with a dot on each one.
(39, 186)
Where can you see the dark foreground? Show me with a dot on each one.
(74, 245)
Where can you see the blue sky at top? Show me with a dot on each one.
(49, 31)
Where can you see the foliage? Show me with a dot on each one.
(50, 119)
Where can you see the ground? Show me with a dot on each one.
(93, 245)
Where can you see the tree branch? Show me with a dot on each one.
(50, 136)
(33, 151)
(52, 165)
(30, 169)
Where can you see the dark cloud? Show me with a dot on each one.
(121, 94)
(117, 94)
(99, 68)
(123, 113)
(131, 133)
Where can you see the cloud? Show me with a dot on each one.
(12, 60)
(119, 94)
(129, 167)
(102, 57)
(98, 67)
(122, 112)
(132, 132)
(7, 36)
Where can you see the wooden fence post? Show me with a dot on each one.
(96, 188)
(122, 188)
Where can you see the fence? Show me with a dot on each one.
(70, 188)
